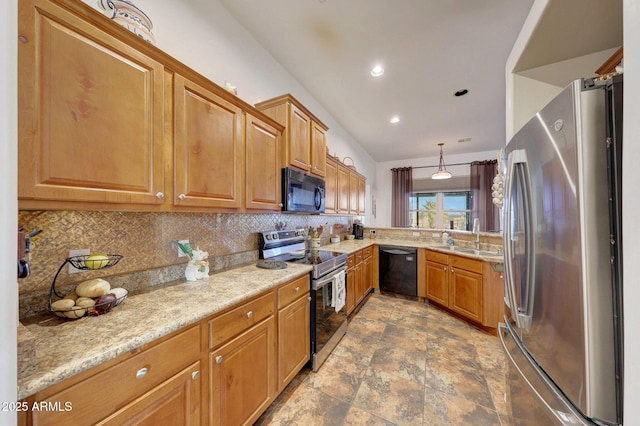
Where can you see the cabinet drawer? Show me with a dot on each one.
(102, 394)
(351, 261)
(242, 318)
(358, 256)
(466, 263)
(366, 252)
(435, 256)
(292, 291)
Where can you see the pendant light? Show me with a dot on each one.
(442, 172)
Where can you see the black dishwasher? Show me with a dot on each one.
(398, 270)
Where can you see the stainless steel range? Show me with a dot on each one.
(328, 287)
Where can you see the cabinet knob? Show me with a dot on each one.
(218, 359)
(309, 298)
(297, 289)
(195, 375)
(445, 268)
(281, 205)
(182, 196)
(249, 314)
(159, 195)
(141, 373)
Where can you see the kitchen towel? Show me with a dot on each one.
(339, 293)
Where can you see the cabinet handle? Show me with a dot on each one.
(159, 195)
(195, 375)
(297, 289)
(249, 314)
(141, 373)
(218, 359)
(182, 196)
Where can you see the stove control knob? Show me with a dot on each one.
(268, 236)
(274, 236)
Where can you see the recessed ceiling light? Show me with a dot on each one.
(461, 92)
(395, 119)
(377, 71)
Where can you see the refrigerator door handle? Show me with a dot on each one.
(517, 174)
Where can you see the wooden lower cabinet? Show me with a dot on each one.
(160, 382)
(243, 376)
(175, 401)
(359, 277)
(465, 286)
(294, 332)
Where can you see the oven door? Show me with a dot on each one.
(301, 192)
(327, 325)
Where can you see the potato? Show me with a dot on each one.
(62, 305)
(72, 296)
(75, 312)
(85, 302)
(93, 288)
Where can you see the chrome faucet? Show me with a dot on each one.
(476, 230)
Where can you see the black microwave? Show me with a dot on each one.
(301, 193)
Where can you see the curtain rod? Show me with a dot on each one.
(437, 165)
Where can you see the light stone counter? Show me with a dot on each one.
(64, 348)
(351, 246)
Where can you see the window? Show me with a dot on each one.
(441, 210)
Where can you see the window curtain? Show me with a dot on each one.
(482, 174)
(402, 188)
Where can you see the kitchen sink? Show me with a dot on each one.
(468, 250)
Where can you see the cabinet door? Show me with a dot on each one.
(353, 193)
(343, 190)
(351, 290)
(299, 137)
(262, 166)
(359, 281)
(174, 402)
(243, 376)
(209, 149)
(465, 293)
(91, 122)
(331, 188)
(294, 346)
(437, 280)
(362, 185)
(367, 275)
(318, 150)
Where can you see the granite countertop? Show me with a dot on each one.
(351, 246)
(64, 348)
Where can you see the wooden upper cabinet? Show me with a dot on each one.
(209, 148)
(298, 135)
(262, 165)
(354, 185)
(362, 187)
(303, 144)
(343, 190)
(91, 113)
(331, 187)
(318, 150)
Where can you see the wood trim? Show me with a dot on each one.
(289, 98)
(610, 64)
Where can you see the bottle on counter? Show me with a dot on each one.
(445, 238)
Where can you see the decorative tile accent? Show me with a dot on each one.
(148, 241)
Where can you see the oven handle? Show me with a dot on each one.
(318, 284)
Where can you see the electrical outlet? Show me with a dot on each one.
(77, 252)
(372, 231)
(416, 234)
(436, 235)
(180, 252)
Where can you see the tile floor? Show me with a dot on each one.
(401, 362)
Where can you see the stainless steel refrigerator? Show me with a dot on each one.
(563, 254)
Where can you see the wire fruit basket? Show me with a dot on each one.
(77, 307)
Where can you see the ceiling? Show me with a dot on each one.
(429, 50)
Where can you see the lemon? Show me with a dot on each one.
(96, 261)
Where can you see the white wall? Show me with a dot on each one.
(384, 182)
(205, 37)
(630, 209)
(529, 97)
(8, 207)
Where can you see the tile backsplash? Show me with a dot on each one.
(148, 242)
